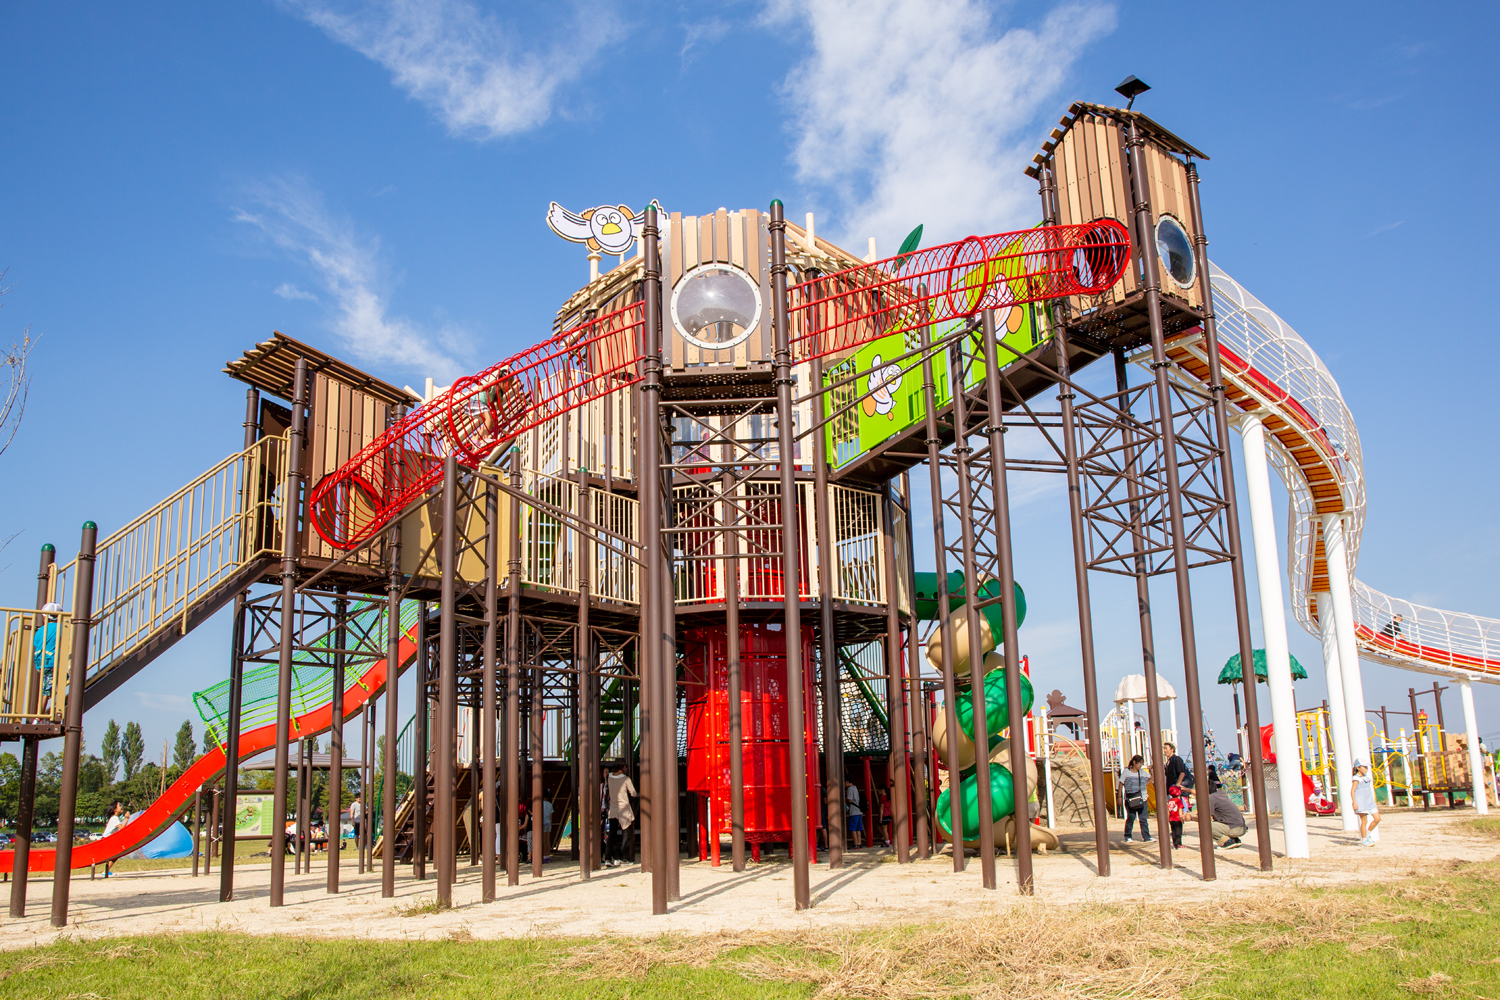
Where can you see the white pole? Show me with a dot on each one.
(1336, 547)
(1273, 626)
(1046, 748)
(1172, 707)
(1338, 718)
(1476, 766)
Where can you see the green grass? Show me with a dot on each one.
(1487, 827)
(249, 968)
(1432, 934)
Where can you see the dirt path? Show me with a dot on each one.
(868, 891)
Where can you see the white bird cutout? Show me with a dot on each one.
(610, 228)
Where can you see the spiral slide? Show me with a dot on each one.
(152, 820)
(1312, 443)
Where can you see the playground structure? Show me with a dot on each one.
(681, 528)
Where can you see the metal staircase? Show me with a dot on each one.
(159, 577)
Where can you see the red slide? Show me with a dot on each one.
(1316, 802)
(154, 819)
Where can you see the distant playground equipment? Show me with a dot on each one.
(677, 535)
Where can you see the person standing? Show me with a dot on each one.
(1177, 809)
(1133, 783)
(117, 819)
(854, 816)
(621, 814)
(1364, 804)
(1175, 771)
(356, 813)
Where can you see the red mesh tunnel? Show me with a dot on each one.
(834, 312)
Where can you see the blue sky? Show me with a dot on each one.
(180, 180)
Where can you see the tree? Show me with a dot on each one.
(210, 744)
(183, 753)
(10, 787)
(132, 749)
(111, 749)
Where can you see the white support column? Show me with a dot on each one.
(1273, 625)
(1335, 545)
(1338, 717)
(1476, 765)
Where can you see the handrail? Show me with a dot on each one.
(154, 570)
(34, 671)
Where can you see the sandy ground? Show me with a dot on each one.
(871, 890)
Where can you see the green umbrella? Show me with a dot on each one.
(1232, 674)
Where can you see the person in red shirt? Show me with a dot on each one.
(1177, 810)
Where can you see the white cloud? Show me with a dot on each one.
(291, 292)
(291, 215)
(911, 111)
(462, 63)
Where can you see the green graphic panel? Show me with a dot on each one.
(886, 398)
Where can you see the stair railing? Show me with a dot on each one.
(153, 571)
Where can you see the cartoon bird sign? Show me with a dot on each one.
(606, 229)
(884, 381)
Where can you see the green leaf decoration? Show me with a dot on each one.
(908, 246)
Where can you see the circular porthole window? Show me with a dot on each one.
(1176, 251)
(716, 306)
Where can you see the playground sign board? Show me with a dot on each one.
(252, 815)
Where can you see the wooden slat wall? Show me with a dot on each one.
(1092, 183)
(739, 238)
(344, 420)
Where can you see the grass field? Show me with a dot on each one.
(1428, 934)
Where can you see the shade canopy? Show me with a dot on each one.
(1234, 674)
(1133, 688)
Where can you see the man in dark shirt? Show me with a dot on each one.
(1227, 821)
(1175, 769)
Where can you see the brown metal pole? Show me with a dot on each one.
(303, 792)
(585, 751)
(1231, 526)
(232, 746)
(512, 737)
(653, 722)
(538, 848)
(1020, 759)
(919, 744)
(833, 729)
(791, 562)
(390, 763)
(487, 693)
(1146, 238)
(1080, 561)
(980, 714)
(1143, 604)
(291, 504)
(236, 688)
(26, 808)
(895, 700)
(336, 742)
(940, 554)
(444, 848)
(671, 842)
(736, 693)
(422, 752)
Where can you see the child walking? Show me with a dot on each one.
(1364, 804)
